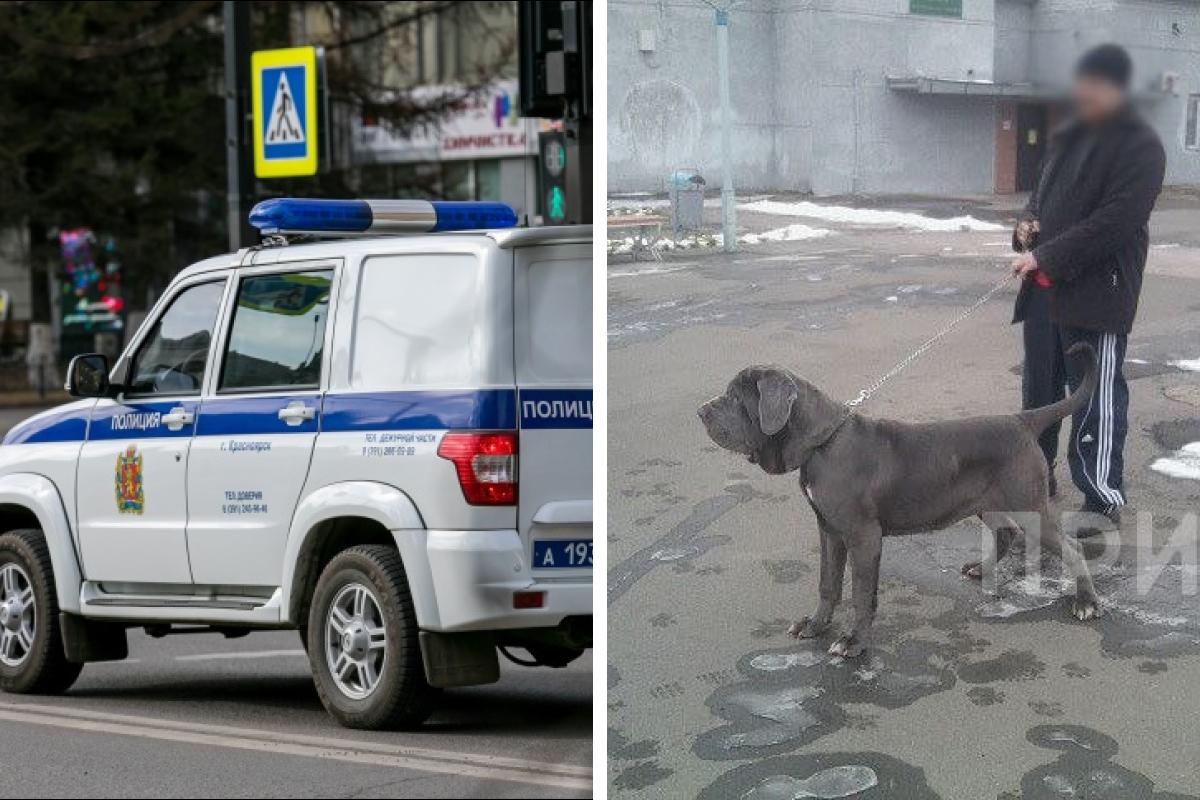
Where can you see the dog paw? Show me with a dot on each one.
(973, 570)
(846, 646)
(807, 628)
(1085, 608)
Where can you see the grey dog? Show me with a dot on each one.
(867, 478)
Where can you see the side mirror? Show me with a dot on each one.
(87, 376)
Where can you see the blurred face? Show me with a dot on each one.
(1096, 99)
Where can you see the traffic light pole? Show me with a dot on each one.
(240, 178)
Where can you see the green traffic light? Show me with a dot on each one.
(556, 205)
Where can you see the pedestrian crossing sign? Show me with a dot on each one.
(284, 89)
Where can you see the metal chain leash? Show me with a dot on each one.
(866, 393)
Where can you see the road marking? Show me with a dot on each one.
(560, 776)
(243, 654)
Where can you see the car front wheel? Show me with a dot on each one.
(363, 642)
(32, 660)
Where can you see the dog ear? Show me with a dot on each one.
(776, 393)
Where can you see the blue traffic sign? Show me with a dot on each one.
(285, 112)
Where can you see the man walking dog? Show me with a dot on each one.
(1082, 243)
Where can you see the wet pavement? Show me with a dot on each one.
(960, 694)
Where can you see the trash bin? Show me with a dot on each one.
(685, 188)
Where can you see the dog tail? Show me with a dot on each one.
(1038, 419)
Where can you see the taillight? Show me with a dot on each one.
(486, 464)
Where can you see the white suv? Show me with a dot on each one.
(381, 441)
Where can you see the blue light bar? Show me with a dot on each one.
(356, 217)
(464, 215)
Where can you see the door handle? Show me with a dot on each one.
(295, 412)
(177, 417)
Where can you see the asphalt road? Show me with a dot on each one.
(959, 695)
(202, 716)
(199, 715)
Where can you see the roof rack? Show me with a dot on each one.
(281, 219)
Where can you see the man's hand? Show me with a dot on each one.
(1026, 230)
(1024, 264)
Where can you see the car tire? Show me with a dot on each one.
(368, 671)
(32, 658)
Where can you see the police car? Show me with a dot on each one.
(383, 441)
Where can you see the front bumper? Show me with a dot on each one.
(465, 580)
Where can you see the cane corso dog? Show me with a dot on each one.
(866, 478)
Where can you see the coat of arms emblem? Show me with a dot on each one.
(131, 497)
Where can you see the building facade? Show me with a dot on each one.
(482, 149)
(882, 96)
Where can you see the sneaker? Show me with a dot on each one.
(1111, 513)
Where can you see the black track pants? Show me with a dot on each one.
(1098, 429)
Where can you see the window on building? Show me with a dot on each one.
(458, 181)
(1191, 134)
(936, 8)
(487, 179)
(278, 332)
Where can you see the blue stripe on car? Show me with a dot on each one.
(234, 416)
(67, 426)
(138, 420)
(484, 409)
(468, 409)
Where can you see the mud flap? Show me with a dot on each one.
(459, 659)
(86, 641)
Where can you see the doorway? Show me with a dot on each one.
(1031, 144)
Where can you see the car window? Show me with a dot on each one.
(174, 355)
(406, 337)
(278, 332)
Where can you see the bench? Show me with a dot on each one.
(644, 230)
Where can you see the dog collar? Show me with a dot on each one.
(838, 426)
(824, 441)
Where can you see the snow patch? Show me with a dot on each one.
(870, 216)
(789, 233)
(1183, 463)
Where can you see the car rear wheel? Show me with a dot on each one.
(363, 642)
(32, 659)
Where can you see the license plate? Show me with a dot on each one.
(562, 554)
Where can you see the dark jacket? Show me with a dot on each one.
(1093, 240)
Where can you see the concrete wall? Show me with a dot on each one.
(810, 105)
(811, 108)
(1014, 53)
(868, 138)
(663, 106)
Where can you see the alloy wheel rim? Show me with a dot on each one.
(355, 641)
(18, 615)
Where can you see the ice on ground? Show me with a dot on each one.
(1183, 463)
(828, 784)
(774, 662)
(869, 216)
(637, 273)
